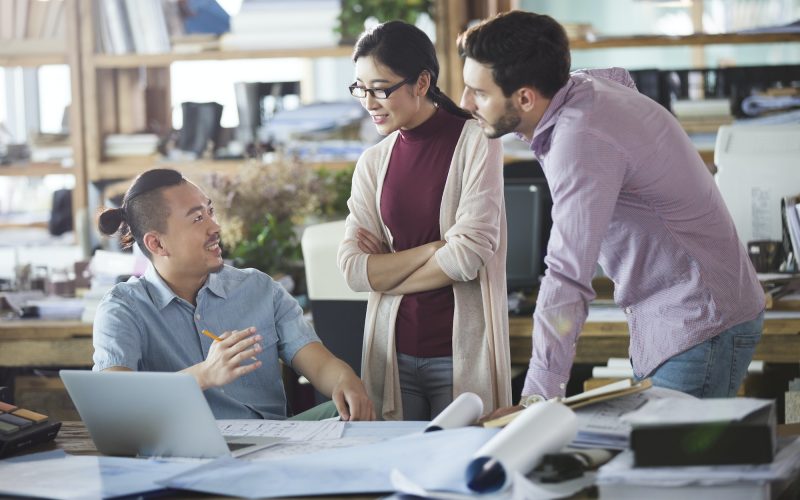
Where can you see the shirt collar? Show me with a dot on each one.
(162, 294)
(541, 135)
(216, 285)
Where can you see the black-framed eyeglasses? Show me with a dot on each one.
(361, 92)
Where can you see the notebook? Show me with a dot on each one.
(152, 414)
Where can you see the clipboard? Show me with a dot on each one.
(610, 391)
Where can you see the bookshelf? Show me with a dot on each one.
(122, 106)
(54, 42)
(119, 104)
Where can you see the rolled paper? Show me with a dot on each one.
(540, 429)
(465, 410)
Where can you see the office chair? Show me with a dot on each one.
(337, 311)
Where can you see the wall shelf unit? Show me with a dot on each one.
(36, 52)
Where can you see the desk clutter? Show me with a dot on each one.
(21, 428)
(551, 449)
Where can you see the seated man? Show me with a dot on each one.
(156, 322)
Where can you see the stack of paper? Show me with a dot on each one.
(619, 479)
(282, 24)
(602, 425)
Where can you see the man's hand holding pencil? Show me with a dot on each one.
(228, 357)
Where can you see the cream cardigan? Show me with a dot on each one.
(473, 223)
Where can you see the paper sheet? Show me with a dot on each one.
(435, 460)
(60, 476)
(294, 430)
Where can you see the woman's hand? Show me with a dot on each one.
(369, 243)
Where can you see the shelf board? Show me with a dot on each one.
(23, 225)
(687, 40)
(34, 170)
(131, 168)
(160, 60)
(32, 52)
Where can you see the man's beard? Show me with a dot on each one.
(505, 124)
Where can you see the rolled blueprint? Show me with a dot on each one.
(540, 429)
(465, 410)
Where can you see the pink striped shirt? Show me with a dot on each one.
(631, 192)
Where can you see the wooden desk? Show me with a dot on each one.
(599, 341)
(69, 343)
(45, 343)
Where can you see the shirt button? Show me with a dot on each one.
(197, 317)
(627, 310)
(562, 386)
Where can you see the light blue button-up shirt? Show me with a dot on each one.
(144, 326)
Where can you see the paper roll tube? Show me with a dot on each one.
(540, 429)
(465, 410)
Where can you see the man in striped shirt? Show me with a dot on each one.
(630, 192)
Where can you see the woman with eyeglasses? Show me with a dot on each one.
(426, 235)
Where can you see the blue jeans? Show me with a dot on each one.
(715, 368)
(426, 385)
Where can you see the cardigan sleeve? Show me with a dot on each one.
(475, 236)
(363, 214)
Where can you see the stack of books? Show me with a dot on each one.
(270, 24)
(702, 115)
(127, 145)
(32, 20)
(136, 26)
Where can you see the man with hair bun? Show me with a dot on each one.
(157, 322)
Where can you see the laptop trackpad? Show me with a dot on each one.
(242, 445)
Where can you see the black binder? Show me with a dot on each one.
(747, 441)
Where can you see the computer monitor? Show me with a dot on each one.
(757, 165)
(528, 206)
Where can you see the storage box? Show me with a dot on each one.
(747, 441)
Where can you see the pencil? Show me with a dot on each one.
(217, 339)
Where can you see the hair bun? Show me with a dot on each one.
(109, 220)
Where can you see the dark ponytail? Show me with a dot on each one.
(408, 52)
(143, 208)
(441, 100)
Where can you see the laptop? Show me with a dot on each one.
(152, 414)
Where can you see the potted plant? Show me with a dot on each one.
(356, 12)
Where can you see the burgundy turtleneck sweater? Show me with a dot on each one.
(410, 205)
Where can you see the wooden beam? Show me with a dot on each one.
(451, 20)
